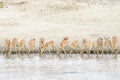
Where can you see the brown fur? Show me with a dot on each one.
(84, 46)
(99, 45)
(31, 46)
(115, 42)
(107, 44)
(74, 45)
(48, 45)
(115, 45)
(41, 45)
(14, 44)
(91, 47)
(21, 46)
(7, 47)
(62, 44)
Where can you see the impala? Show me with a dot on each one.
(31, 46)
(84, 46)
(63, 44)
(7, 47)
(115, 44)
(21, 46)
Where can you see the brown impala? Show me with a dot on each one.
(31, 46)
(63, 44)
(115, 44)
(21, 47)
(41, 46)
(74, 45)
(99, 45)
(14, 44)
(7, 47)
(83, 47)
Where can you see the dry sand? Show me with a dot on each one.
(54, 19)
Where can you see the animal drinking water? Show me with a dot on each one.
(101, 45)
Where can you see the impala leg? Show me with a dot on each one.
(97, 53)
(116, 52)
(8, 52)
(22, 52)
(49, 51)
(81, 53)
(94, 52)
(18, 52)
(42, 51)
(29, 50)
(39, 51)
(32, 50)
(108, 51)
(89, 53)
(64, 52)
(77, 50)
(58, 53)
(12, 50)
(7, 55)
(102, 52)
(112, 51)
(53, 50)
(70, 52)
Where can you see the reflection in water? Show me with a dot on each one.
(106, 68)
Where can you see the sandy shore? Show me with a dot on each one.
(56, 19)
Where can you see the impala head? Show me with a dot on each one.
(84, 40)
(7, 42)
(100, 39)
(42, 40)
(66, 38)
(114, 37)
(33, 39)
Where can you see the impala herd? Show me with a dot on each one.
(100, 46)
